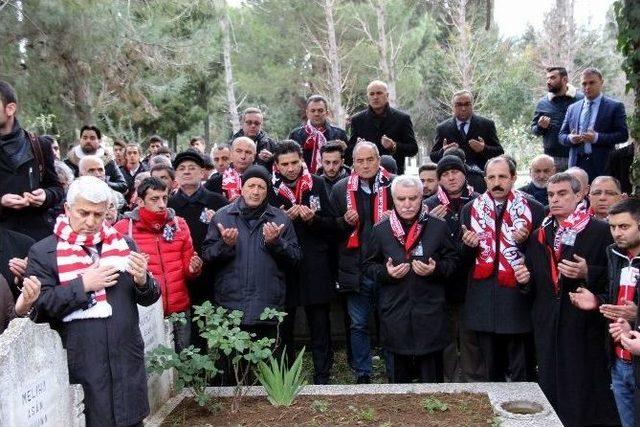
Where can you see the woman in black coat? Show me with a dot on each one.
(412, 277)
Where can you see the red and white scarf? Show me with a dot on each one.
(314, 142)
(304, 184)
(409, 239)
(516, 215)
(231, 183)
(73, 260)
(575, 222)
(444, 199)
(380, 188)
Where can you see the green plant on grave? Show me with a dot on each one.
(281, 382)
(226, 341)
(321, 406)
(367, 414)
(431, 405)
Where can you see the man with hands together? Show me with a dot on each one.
(411, 255)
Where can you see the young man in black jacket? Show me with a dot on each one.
(29, 183)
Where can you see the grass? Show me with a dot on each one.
(341, 373)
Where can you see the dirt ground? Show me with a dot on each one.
(441, 409)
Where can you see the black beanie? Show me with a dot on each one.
(257, 171)
(449, 162)
(189, 154)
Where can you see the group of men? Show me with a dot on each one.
(469, 279)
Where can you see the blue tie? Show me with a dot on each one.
(464, 134)
(585, 120)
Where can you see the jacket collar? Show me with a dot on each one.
(571, 92)
(134, 215)
(621, 253)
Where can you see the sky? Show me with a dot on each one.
(512, 16)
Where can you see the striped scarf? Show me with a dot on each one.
(231, 183)
(314, 142)
(73, 260)
(516, 215)
(304, 184)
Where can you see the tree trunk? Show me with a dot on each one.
(384, 55)
(234, 117)
(466, 69)
(335, 81)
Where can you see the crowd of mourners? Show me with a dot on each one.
(461, 276)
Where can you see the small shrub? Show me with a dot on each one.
(282, 383)
(320, 406)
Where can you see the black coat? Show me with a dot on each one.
(12, 245)
(26, 177)
(330, 133)
(263, 142)
(250, 276)
(478, 127)
(412, 315)
(395, 124)
(571, 343)
(310, 283)
(105, 356)
(349, 261)
(619, 166)
(456, 288)
(489, 306)
(190, 208)
(131, 179)
(538, 194)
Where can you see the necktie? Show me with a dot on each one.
(585, 120)
(462, 125)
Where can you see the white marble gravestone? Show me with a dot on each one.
(34, 379)
(156, 331)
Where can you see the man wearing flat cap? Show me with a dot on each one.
(196, 205)
(250, 232)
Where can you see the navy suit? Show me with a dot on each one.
(611, 127)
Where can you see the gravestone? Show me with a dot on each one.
(156, 331)
(34, 379)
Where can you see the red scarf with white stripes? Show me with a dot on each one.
(409, 239)
(575, 222)
(444, 199)
(304, 184)
(73, 260)
(516, 215)
(314, 142)
(380, 188)
(231, 183)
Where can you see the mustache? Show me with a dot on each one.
(497, 188)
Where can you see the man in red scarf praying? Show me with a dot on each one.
(92, 280)
(315, 133)
(361, 200)
(411, 255)
(567, 258)
(228, 183)
(495, 228)
(303, 197)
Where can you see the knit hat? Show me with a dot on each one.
(189, 154)
(449, 162)
(256, 171)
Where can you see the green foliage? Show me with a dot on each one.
(320, 406)
(221, 330)
(282, 383)
(432, 404)
(518, 141)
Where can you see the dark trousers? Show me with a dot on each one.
(426, 368)
(462, 357)
(503, 355)
(320, 337)
(586, 162)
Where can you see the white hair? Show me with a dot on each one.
(365, 144)
(85, 159)
(245, 139)
(89, 188)
(407, 181)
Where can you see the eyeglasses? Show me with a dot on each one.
(462, 104)
(252, 123)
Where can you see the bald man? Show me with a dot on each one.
(228, 183)
(583, 177)
(389, 129)
(604, 193)
(542, 167)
